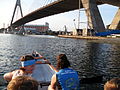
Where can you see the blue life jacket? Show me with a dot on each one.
(68, 79)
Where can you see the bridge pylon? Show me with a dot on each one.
(95, 21)
(116, 21)
(18, 4)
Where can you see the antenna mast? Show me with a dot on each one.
(79, 15)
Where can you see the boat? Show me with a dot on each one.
(43, 71)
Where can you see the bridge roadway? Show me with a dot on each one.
(57, 7)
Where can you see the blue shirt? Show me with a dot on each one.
(68, 79)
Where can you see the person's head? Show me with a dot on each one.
(23, 83)
(28, 63)
(62, 61)
(113, 84)
(26, 58)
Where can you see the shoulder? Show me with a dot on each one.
(53, 83)
(72, 70)
(54, 76)
(53, 79)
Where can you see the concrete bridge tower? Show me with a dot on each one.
(116, 21)
(95, 21)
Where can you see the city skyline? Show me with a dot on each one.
(57, 22)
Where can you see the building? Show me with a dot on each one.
(37, 29)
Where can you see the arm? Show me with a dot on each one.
(44, 61)
(52, 85)
(41, 57)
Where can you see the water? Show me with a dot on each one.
(87, 57)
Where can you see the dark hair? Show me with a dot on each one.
(26, 58)
(113, 84)
(62, 61)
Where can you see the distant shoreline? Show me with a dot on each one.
(83, 37)
(108, 40)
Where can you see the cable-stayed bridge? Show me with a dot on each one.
(60, 6)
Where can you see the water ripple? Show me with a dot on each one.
(88, 58)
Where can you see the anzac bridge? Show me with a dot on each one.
(60, 6)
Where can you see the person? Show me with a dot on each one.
(23, 83)
(28, 64)
(66, 78)
(113, 84)
(39, 58)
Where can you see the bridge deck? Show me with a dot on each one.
(56, 7)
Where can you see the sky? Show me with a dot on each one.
(56, 22)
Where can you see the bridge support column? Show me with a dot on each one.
(116, 21)
(22, 30)
(94, 18)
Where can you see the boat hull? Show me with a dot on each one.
(43, 72)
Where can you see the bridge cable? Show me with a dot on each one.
(48, 2)
(17, 11)
(51, 1)
(45, 3)
(36, 3)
